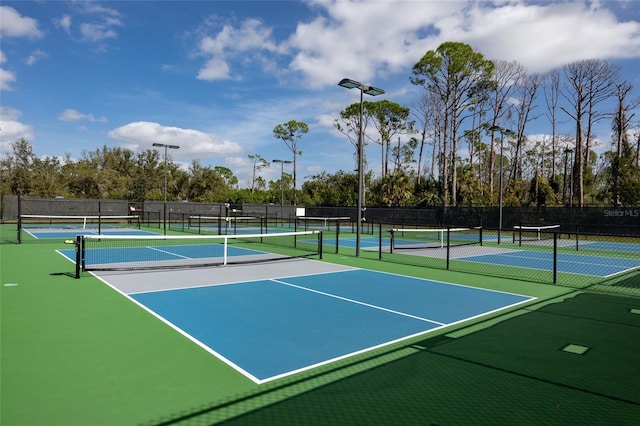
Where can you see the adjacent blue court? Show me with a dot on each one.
(610, 246)
(365, 242)
(71, 233)
(270, 328)
(597, 266)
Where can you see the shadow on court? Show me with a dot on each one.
(572, 362)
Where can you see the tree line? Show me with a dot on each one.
(465, 142)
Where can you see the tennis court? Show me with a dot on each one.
(596, 266)
(526, 252)
(272, 320)
(46, 227)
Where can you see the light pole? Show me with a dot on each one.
(282, 163)
(164, 215)
(502, 132)
(569, 152)
(372, 91)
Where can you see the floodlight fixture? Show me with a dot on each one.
(372, 91)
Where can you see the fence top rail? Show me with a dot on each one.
(536, 228)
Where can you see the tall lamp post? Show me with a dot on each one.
(282, 163)
(569, 153)
(165, 146)
(372, 91)
(502, 133)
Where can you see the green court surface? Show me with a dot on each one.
(76, 352)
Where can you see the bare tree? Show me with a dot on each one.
(525, 100)
(258, 162)
(551, 95)
(506, 77)
(590, 82)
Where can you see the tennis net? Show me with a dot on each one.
(426, 238)
(50, 226)
(523, 233)
(220, 225)
(319, 222)
(140, 252)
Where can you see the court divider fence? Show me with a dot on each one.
(545, 255)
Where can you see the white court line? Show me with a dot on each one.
(357, 302)
(168, 252)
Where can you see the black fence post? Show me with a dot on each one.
(555, 257)
(448, 244)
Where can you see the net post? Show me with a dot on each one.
(380, 241)
(555, 256)
(481, 238)
(19, 223)
(77, 243)
(164, 217)
(391, 241)
(520, 235)
(224, 250)
(320, 244)
(577, 239)
(337, 235)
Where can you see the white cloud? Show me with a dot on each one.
(63, 22)
(35, 56)
(97, 23)
(193, 143)
(12, 24)
(365, 40)
(11, 129)
(215, 69)
(97, 31)
(251, 36)
(7, 78)
(74, 115)
(554, 34)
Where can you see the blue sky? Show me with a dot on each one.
(215, 77)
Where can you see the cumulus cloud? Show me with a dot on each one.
(554, 34)
(12, 24)
(74, 115)
(35, 56)
(361, 39)
(251, 36)
(11, 128)
(7, 78)
(367, 40)
(63, 22)
(193, 143)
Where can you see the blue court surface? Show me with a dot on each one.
(365, 242)
(271, 328)
(610, 246)
(596, 266)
